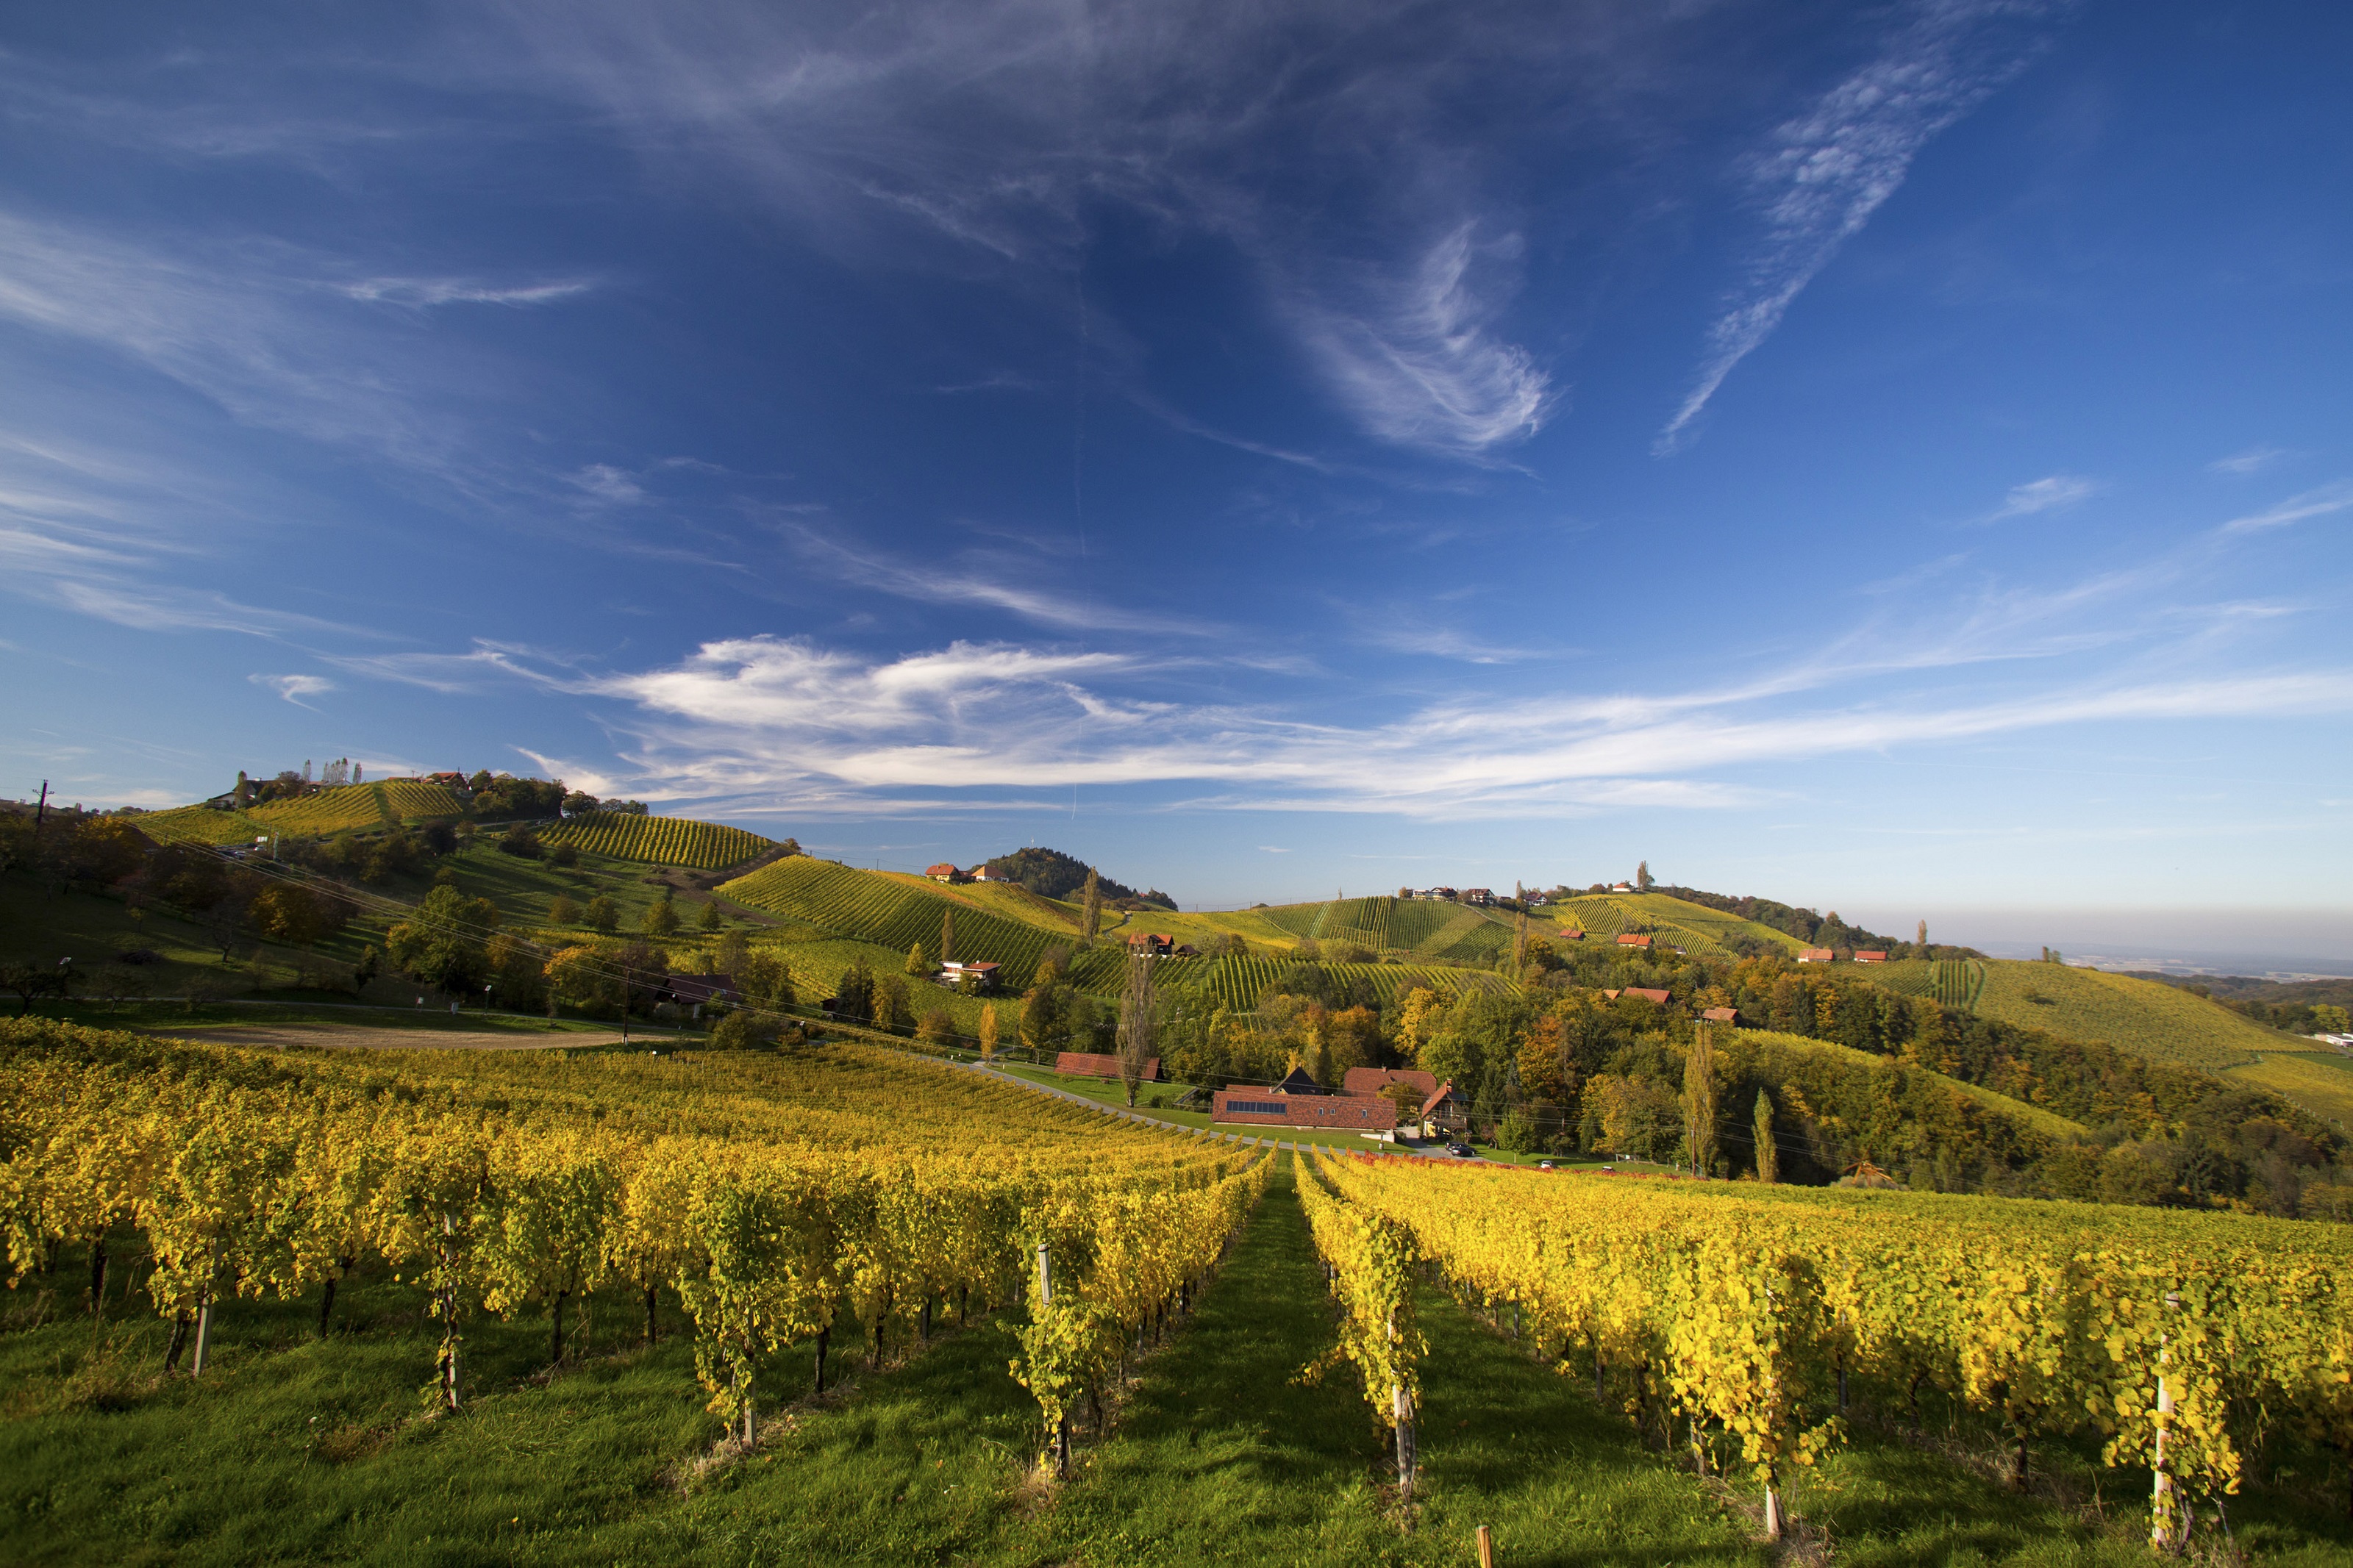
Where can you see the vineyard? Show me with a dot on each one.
(898, 914)
(834, 1197)
(658, 840)
(2142, 1016)
(346, 808)
(1237, 983)
(1749, 1323)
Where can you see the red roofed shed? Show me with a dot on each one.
(1631, 940)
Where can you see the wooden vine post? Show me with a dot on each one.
(1061, 1448)
(2164, 1533)
(1401, 1415)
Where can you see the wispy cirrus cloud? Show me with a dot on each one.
(430, 291)
(1825, 173)
(294, 687)
(798, 724)
(2328, 499)
(2053, 493)
(2253, 460)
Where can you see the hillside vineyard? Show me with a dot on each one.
(834, 1197)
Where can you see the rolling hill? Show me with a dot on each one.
(345, 808)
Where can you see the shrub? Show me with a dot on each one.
(1518, 1133)
(519, 841)
(743, 1031)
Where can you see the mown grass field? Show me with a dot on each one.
(2161, 1022)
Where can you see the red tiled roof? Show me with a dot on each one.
(1817, 955)
(1871, 958)
(1650, 993)
(1438, 1096)
(1629, 940)
(1722, 1015)
(942, 869)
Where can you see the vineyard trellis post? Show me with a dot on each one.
(2166, 1532)
(1062, 1441)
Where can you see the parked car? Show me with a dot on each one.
(1543, 1165)
(1462, 1151)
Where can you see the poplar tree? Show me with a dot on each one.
(1768, 1153)
(916, 963)
(947, 934)
(1921, 940)
(1137, 1003)
(1699, 1103)
(1643, 877)
(1091, 909)
(988, 1031)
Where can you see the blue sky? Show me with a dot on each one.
(1892, 457)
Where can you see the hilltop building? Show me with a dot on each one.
(1817, 955)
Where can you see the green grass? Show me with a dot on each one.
(2161, 1022)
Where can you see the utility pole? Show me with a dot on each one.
(41, 812)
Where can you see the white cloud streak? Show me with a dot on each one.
(792, 722)
(2253, 460)
(294, 687)
(2051, 494)
(2328, 499)
(1826, 171)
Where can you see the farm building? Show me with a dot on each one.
(1088, 1064)
(1631, 940)
(1621, 886)
(1650, 993)
(983, 972)
(1150, 942)
(944, 872)
(1722, 1015)
(1572, 933)
(1871, 958)
(1186, 950)
(1817, 955)
(984, 873)
(1336, 1112)
(1374, 1081)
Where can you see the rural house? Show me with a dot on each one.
(944, 873)
(1631, 940)
(987, 873)
(1650, 993)
(1150, 942)
(1479, 896)
(983, 972)
(1871, 958)
(1445, 1111)
(1722, 1015)
(1817, 955)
